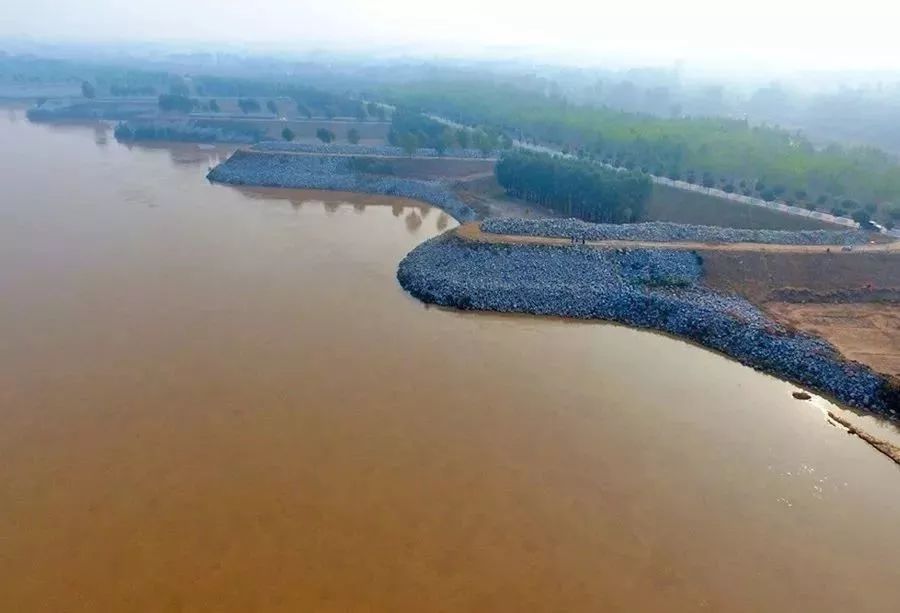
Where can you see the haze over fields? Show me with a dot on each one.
(768, 35)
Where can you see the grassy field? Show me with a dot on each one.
(670, 204)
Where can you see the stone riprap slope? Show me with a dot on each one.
(667, 232)
(656, 289)
(378, 150)
(331, 173)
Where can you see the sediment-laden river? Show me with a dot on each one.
(221, 400)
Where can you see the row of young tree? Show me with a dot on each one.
(412, 130)
(576, 188)
(173, 102)
(183, 104)
(324, 134)
(717, 152)
(199, 92)
(309, 101)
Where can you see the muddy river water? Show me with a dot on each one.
(221, 400)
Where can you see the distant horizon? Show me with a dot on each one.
(708, 36)
(93, 48)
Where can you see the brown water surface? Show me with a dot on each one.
(216, 400)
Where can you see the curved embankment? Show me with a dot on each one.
(649, 285)
(658, 289)
(331, 172)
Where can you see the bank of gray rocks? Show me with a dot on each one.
(668, 232)
(331, 173)
(378, 150)
(655, 289)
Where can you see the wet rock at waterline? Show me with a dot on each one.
(649, 288)
(332, 173)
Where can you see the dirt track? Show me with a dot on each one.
(472, 231)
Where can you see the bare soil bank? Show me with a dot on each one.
(852, 300)
(866, 333)
(680, 206)
(760, 274)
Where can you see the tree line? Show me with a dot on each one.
(309, 100)
(412, 130)
(730, 154)
(576, 188)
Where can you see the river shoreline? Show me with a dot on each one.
(654, 288)
(334, 173)
(651, 289)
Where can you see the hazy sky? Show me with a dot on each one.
(766, 34)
